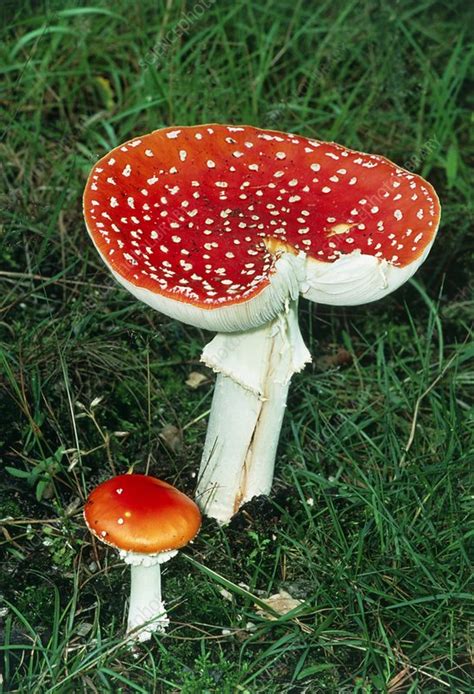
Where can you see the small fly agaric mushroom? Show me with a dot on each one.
(224, 227)
(147, 520)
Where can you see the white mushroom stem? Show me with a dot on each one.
(254, 372)
(146, 612)
(255, 367)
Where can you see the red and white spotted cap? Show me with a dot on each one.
(219, 225)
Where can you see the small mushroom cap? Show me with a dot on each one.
(139, 513)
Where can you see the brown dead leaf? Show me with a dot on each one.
(171, 437)
(281, 602)
(195, 379)
(340, 358)
(399, 680)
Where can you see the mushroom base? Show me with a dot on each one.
(254, 372)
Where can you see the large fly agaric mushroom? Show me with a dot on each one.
(147, 520)
(224, 227)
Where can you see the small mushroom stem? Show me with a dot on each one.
(146, 612)
(254, 372)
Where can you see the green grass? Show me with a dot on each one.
(368, 522)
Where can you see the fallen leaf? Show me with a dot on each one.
(281, 602)
(399, 680)
(339, 358)
(106, 92)
(84, 628)
(225, 594)
(195, 379)
(171, 437)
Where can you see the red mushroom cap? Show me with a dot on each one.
(200, 215)
(139, 513)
